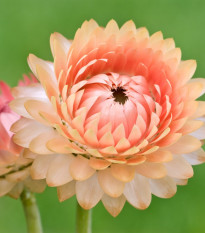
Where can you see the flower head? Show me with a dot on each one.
(14, 169)
(118, 108)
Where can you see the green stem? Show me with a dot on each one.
(31, 212)
(83, 220)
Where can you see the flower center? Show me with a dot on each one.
(119, 95)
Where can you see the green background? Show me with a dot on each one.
(25, 27)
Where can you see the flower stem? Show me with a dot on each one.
(83, 220)
(31, 212)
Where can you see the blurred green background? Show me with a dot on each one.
(25, 27)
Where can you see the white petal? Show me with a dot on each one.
(179, 168)
(137, 192)
(113, 205)
(196, 157)
(88, 192)
(164, 188)
(109, 184)
(59, 170)
(66, 191)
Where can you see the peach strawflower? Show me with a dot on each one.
(118, 107)
(14, 168)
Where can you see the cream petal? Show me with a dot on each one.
(185, 71)
(27, 154)
(196, 157)
(20, 124)
(35, 186)
(199, 81)
(35, 90)
(136, 160)
(94, 152)
(98, 164)
(137, 192)
(191, 126)
(18, 175)
(36, 107)
(107, 140)
(88, 192)
(5, 187)
(59, 144)
(47, 79)
(159, 156)
(185, 144)
(122, 172)
(181, 181)
(16, 191)
(59, 47)
(127, 27)
(23, 161)
(193, 90)
(26, 135)
(179, 168)
(170, 139)
(151, 170)
(110, 185)
(131, 151)
(164, 188)
(122, 145)
(80, 168)
(40, 166)
(17, 105)
(7, 157)
(91, 138)
(4, 170)
(200, 133)
(200, 111)
(113, 205)
(38, 144)
(109, 150)
(34, 61)
(59, 170)
(66, 191)
(111, 28)
(62, 42)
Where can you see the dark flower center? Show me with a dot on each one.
(119, 95)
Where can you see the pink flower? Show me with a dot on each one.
(119, 108)
(14, 169)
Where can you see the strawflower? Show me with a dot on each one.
(113, 116)
(15, 161)
(14, 168)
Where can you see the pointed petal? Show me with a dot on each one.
(164, 188)
(80, 168)
(185, 144)
(66, 191)
(88, 192)
(109, 184)
(113, 205)
(137, 192)
(179, 168)
(196, 157)
(40, 166)
(5, 187)
(159, 156)
(124, 173)
(151, 170)
(16, 190)
(36, 186)
(98, 164)
(58, 172)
